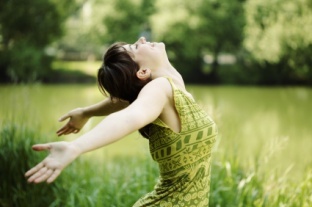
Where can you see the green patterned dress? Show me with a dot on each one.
(184, 158)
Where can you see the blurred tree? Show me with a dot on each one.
(127, 20)
(209, 26)
(98, 23)
(83, 32)
(278, 37)
(221, 29)
(26, 28)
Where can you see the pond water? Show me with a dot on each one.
(263, 127)
(267, 127)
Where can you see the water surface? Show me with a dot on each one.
(263, 127)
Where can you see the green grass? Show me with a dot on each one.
(120, 180)
(123, 172)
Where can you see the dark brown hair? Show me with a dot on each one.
(117, 76)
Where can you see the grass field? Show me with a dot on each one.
(262, 157)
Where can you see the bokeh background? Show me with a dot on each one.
(209, 41)
(247, 62)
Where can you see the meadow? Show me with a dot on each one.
(262, 157)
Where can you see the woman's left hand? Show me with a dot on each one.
(77, 119)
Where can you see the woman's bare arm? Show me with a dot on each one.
(144, 110)
(79, 116)
(105, 107)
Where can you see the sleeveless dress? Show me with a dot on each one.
(184, 158)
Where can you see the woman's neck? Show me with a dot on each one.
(163, 71)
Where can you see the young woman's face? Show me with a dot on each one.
(147, 54)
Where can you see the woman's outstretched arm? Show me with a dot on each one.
(147, 107)
(79, 116)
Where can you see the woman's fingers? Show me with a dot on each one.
(54, 175)
(41, 173)
(34, 170)
(69, 130)
(37, 174)
(41, 147)
(44, 176)
(62, 132)
(62, 129)
(65, 127)
(61, 154)
(65, 130)
(64, 117)
(40, 168)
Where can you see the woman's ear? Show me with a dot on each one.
(144, 73)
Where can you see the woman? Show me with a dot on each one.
(149, 95)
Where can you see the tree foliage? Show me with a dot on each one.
(270, 39)
(278, 37)
(205, 29)
(26, 28)
(128, 20)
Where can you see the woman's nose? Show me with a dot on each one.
(142, 40)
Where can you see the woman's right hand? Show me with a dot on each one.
(77, 119)
(60, 155)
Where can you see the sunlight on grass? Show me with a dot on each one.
(262, 157)
(87, 67)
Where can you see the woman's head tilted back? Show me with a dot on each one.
(117, 75)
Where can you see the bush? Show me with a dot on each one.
(24, 63)
(120, 181)
(15, 158)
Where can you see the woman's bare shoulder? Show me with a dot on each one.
(158, 85)
(161, 83)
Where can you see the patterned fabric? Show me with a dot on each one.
(184, 158)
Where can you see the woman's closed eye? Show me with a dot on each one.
(133, 45)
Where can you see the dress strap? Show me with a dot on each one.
(171, 82)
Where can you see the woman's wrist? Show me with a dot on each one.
(76, 148)
(85, 112)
